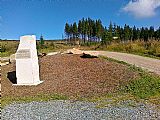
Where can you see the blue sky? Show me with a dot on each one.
(48, 17)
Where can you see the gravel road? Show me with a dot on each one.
(67, 110)
(147, 63)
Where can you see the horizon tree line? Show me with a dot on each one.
(89, 30)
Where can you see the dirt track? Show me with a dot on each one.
(149, 64)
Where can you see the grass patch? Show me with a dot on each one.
(41, 97)
(6, 54)
(145, 87)
(113, 99)
(114, 60)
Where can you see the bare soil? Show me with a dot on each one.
(70, 75)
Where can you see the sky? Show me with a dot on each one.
(48, 17)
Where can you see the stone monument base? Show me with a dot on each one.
(28, 84)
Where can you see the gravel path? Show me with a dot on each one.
(147, 63)
(66, 110)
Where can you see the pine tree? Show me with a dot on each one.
(41, 41)
(142, 33)
(118, 32)
(75, 30)
(115, 30)
(80, 28)
(146, 34)
(83, 30)
(88, 28)
(71, 31)
(138, 33)
(158, 33)
(67, 30)
(135, 34)
(110, 31)
(126, 32)
(151, 32)
(104, 38)
(94, 29)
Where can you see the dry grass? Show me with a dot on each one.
(10, 46)
(150, 48)
(49, 46)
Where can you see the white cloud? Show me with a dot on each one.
(142, 8)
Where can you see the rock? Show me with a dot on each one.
(53, 53)
(4, 63)
(88, 56)
(74, 51)
(4, 59)
(12, 58)
(93, 53)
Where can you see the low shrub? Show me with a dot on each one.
(145, 86)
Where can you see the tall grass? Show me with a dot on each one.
(49, 46)
(150, 48)
(10, 47)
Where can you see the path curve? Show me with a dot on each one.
(150, 64)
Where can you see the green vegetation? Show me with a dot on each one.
(89, 30)
(86, 30)
(114, 99)
(145, 88)
(114, 60)
(51, 46)
(149, 48)
(9, 47)
(41, 42)
(141, 41)
(41, 97)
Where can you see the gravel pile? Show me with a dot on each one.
(67, 110)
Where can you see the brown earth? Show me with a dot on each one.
(70, 75)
